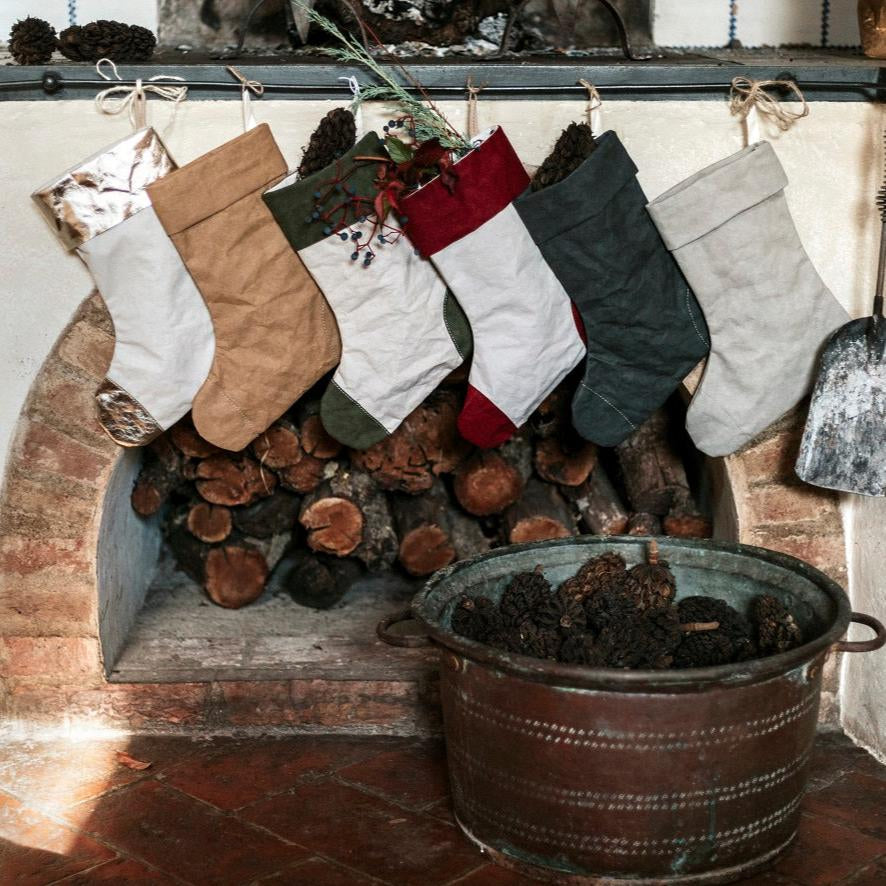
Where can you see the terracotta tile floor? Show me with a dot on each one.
(327, 811)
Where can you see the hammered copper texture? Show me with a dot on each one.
(123, 418)
(105, 189)
(652, 785)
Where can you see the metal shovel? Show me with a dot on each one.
(844, 442)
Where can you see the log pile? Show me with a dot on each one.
(298, 502)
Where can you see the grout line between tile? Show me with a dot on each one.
(470, 873)
(373, 792)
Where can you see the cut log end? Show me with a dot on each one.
(209, 523)
(147, 498)
(537, 529)
(305, 475)
(235, 576)
(335, 525)
(317, 581)
(186, 439)
(315, 441)
(487, 484)
(277, 447)
(233, 480)
(687, 526)
(425, 550)
(563, 465)
(643, 523)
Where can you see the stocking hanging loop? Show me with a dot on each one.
(594, 107)
(356, 103)
(473, 124)
(247, 88)
(133, 99)
(748, 99)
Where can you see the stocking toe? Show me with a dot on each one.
(123, 418)
(598, 419)
(347, 421)
(482, 423)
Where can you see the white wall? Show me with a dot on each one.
(833, 159)
(863, 702)
(755, 22)
(61, 13)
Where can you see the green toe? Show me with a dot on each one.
(346, 420)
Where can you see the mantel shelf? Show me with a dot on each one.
(671, 75)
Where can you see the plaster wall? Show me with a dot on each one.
(833, 160)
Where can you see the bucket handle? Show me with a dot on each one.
(409, 641)
(863, 645)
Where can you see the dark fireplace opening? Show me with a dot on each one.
(263, 573)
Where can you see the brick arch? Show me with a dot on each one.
(59, 469)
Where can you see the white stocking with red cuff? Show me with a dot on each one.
(525, 335)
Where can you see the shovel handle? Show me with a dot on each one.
(864, 645)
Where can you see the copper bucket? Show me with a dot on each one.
(580, 775)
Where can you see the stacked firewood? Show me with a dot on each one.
(295, 500)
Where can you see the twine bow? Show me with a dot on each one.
(594, 107)
(749, 98)
(133, 99)
(247, 88)
(473, 122)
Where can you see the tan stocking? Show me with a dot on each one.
(275, 334)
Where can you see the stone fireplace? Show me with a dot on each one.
(76, 563)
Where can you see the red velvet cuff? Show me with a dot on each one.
(489, 178)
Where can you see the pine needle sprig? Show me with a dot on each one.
(428, 121)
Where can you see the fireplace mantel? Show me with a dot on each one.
(669, 76)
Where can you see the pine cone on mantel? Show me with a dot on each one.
(32, 41)
(105, 38)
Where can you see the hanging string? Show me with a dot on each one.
(356, 104)
(748, 99)
(473, 122)
(133, 99)
(594, 108)
(247, 88)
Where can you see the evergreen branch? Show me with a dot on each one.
(428, 122)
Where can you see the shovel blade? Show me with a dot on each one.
(844, 442)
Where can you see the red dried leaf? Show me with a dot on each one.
(125, 759)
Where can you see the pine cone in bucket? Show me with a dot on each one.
(702, 649)
(32, 41)
(598, 574)
(538, 642)
(609, 606)
(580, 649)
(334, 136)
(777, 631)
(560, 610)
(662, 626)
(707, 610)
(476, 618)
(525, 592)
(652, 583)
(104, 38)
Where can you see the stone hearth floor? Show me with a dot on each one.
(327, 811)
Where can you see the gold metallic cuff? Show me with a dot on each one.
(105, 189)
